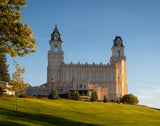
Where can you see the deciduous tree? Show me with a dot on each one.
(15, 37)
(17, 82)
(130, 98)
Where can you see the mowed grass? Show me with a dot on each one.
(45, 112)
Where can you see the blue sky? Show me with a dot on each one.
(88, 28)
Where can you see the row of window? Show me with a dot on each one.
(82, 76)
(90, 76)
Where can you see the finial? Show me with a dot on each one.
(56, 26)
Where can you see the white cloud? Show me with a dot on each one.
(149, 95)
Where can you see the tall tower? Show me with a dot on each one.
(55, 57)
(119, 60)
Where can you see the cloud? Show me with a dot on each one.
(149, 95)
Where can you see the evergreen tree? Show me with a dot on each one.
(77, 96)
(53, 94)
(2, 90)
(4, 75)
(94, 96)
(69, 95)
(105, 99)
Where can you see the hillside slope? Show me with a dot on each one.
(44, 112)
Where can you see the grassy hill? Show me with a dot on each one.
(44, 112)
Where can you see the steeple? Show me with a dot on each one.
(117, 50)
(56, 36)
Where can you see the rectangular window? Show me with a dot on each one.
(52, 65)
(90, 76)
(97, 76)
(53, 76)
(67, 75)
(82, 75)
(104, 76)
(58, 77)
(75, 75)
(111, 89)
(111, 76)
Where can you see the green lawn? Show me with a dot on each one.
(46, 112)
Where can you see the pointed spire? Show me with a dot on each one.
(56, 26)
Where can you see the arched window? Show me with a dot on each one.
(80, 86)
(55, 38)
(56, 48)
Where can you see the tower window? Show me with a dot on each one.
(56, 49)
(55, 38)
(118, 53)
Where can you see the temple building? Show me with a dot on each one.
(106, 79)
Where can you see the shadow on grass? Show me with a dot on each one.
(42, 119)
(6, 123)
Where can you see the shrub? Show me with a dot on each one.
(130, 99)
(94, 96)
(105, 99)
(25, 96)
(77, 96)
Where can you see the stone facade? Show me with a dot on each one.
(106, 79)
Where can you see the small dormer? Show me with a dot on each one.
(56, 36)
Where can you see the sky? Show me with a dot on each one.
(88, 28)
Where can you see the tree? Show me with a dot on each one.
(4, 75)
(53, 94)
(17, 82)
(15, 37)
(2, 90)
(77, 96)
(105, 99)
(69, 95)
(130, 99)
(94, 96)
